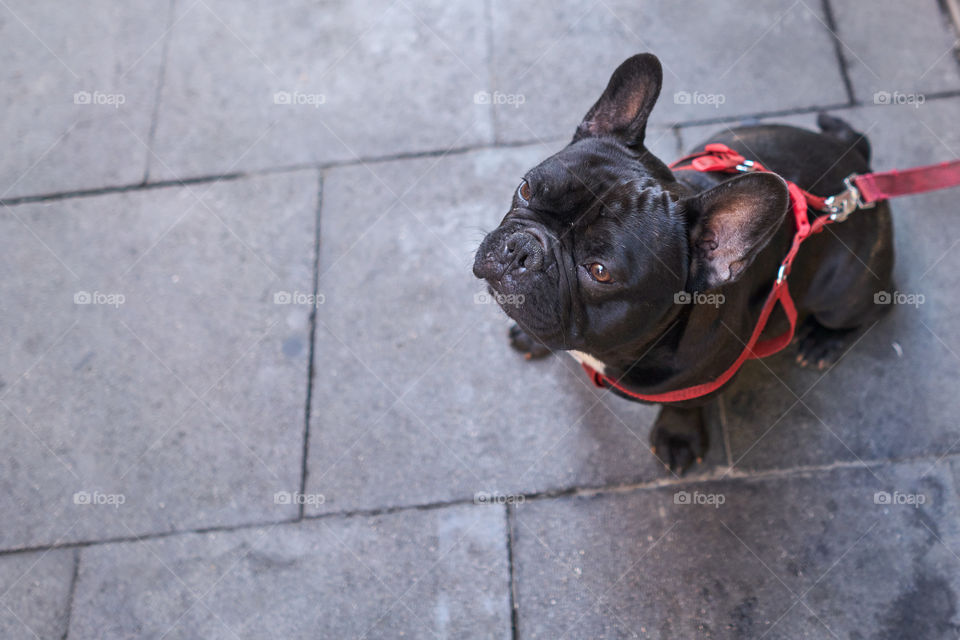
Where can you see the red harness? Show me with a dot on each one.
(862, 192)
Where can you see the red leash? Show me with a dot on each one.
(862, 192)
(890, 184)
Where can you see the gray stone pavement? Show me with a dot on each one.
(248, 388)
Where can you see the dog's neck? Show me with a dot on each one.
(643, 355)
(589, 360)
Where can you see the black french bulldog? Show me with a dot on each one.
(602, 236)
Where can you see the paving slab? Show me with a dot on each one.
(151, 381)
(848, 553)
(898, 379)
(77, 91)
(897, 49)
(268, 84)
(559, 56)
(34, 594)
(417, 395)
(417, 574)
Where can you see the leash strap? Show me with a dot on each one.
(890, 184)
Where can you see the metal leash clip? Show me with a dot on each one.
(847, 201)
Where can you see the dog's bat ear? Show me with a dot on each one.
(729, 225)
(625, 105)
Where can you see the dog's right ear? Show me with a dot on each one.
(730, 224)
(626, 103)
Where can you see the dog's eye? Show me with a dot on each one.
(599, 272)
(524, 191)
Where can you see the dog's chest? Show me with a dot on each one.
(589, 360)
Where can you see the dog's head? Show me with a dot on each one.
(600, 238)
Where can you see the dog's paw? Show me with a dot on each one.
(678, 452)
(678, 438)
(819, 346)
(530, 347)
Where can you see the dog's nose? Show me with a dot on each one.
(522, 250)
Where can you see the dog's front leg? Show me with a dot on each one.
(679, 437)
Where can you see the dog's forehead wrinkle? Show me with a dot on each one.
(635, 211)
(591, 164)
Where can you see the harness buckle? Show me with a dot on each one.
(847, 201)
(746, 166)
(781, 273)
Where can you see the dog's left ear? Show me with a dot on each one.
(625, 105)
(729, 225)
